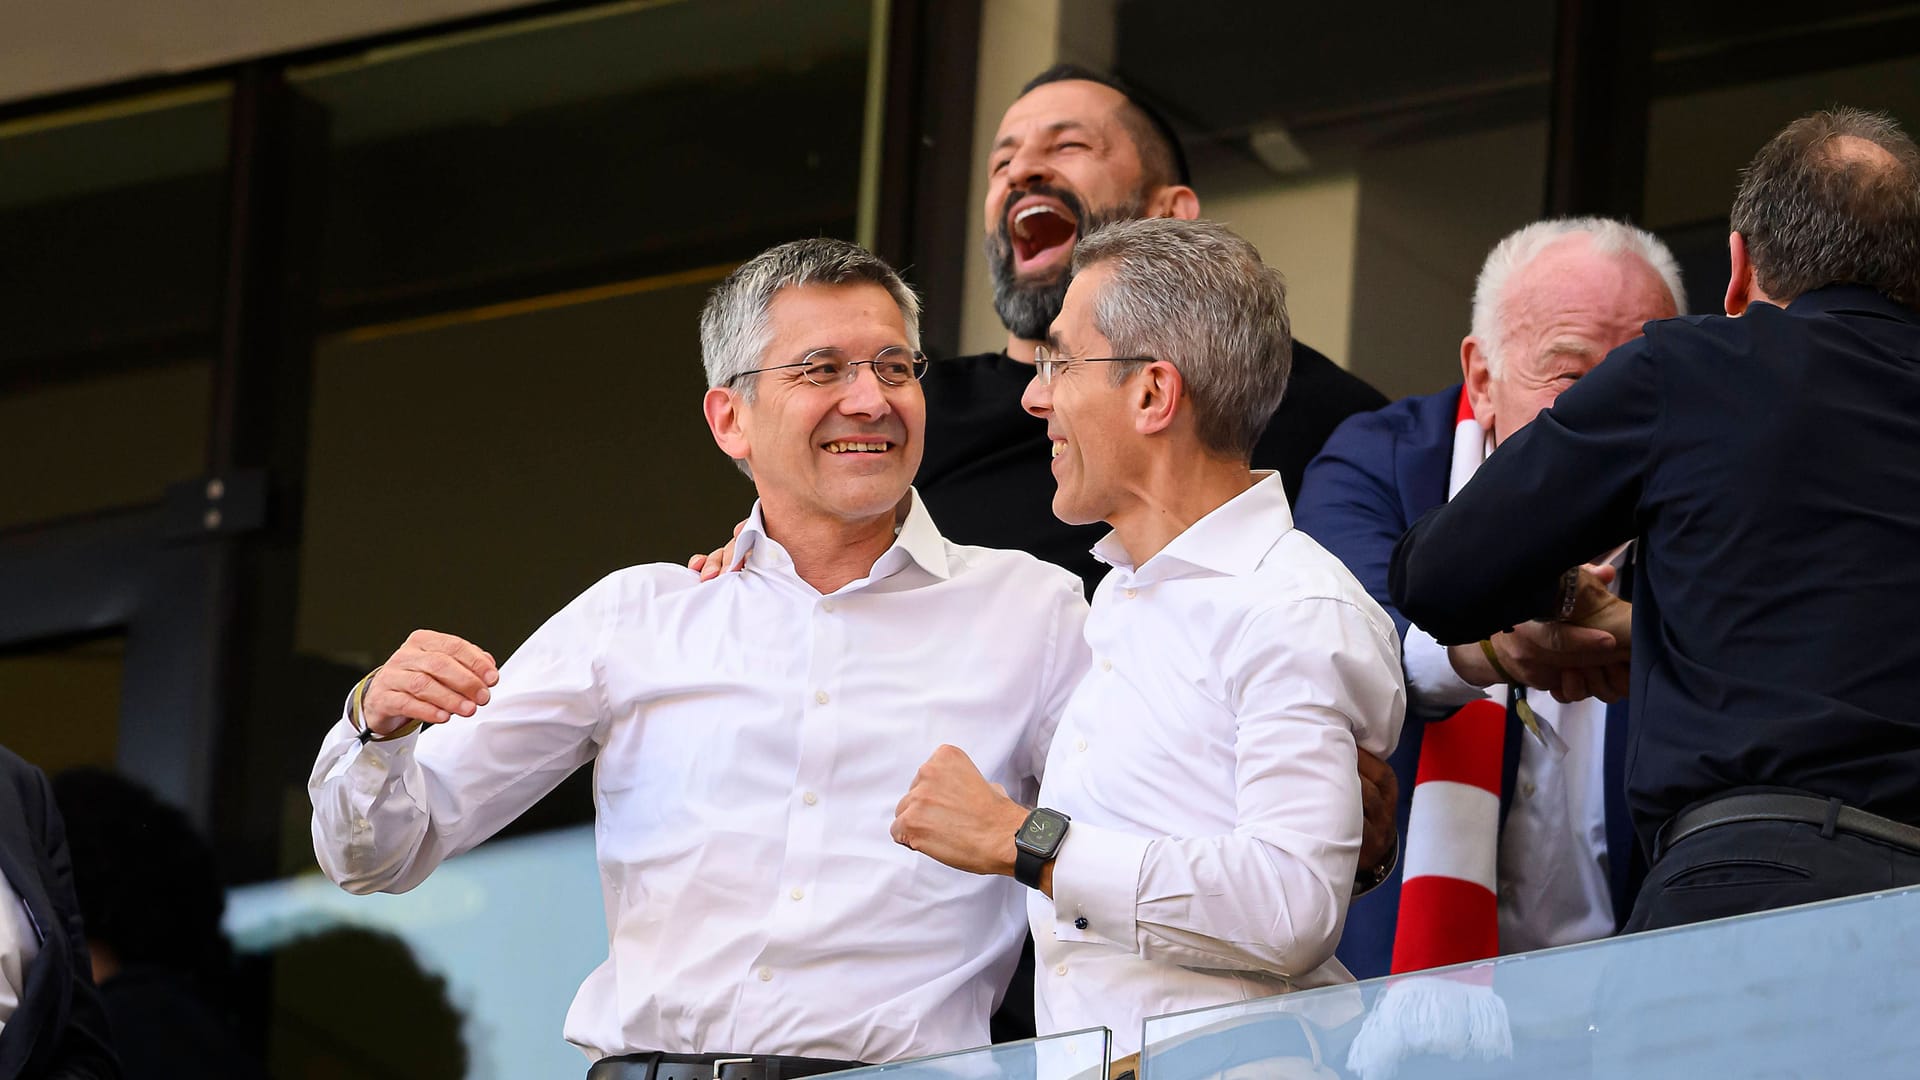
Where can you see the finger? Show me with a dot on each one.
(738, 526)
(422, 685)
(1616, 679)
(381, 708)
(448, 673)
(697, 562)
(466, 653)
(1573, 686)
(1574, 640)
(712, 569)
(1390, 786)
(1606, 572)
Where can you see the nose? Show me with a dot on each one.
(1037, 398)
(865, 395)
(1029, 166)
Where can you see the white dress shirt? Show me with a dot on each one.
(19, 945)
(1208, 764)
(1552, 860)
(750, 740)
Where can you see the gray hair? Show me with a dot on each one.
(1512, 255)
(1197, 296)
(734, 326)
(1814, 211)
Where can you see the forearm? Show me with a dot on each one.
(1226, 902)
(369, 832)
(1442, 678)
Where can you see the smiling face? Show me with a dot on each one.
(1063, 164)
(845, 451)
(1563, 312)
(1088, 418)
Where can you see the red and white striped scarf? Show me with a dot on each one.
(1449, 912)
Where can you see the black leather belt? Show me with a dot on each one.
(659, 1066)
(1830, 814)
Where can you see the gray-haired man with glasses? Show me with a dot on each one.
(1199, 824)
(750, 737)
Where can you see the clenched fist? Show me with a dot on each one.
(431, 678)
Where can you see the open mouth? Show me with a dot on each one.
(1042, 232)
(856, 446)
(1059, 447)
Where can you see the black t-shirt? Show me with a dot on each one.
(987, 477)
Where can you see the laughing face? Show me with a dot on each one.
(845, 451)
(1089, 423)
(1063, 164)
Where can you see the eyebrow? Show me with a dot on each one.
(1572, 347)
(1054, 128)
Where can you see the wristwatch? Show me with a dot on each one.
(1037, 842)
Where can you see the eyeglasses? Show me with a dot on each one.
(1049, 363)
(896, 366)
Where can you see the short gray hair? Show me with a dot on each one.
(1197, 296)
(1813, 214)
(734, 327)
(1512, 255)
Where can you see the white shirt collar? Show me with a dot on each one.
(917, 541)
(1232, 539)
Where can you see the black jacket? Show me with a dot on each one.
(59, 1032)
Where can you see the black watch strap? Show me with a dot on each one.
(1027, 867)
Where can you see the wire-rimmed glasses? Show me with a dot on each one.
(1049, 363)
(896, 366)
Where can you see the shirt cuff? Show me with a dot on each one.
(1096, 886)
(1431, 681)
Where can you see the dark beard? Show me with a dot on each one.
(1027, 308)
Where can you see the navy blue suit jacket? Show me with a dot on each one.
(1379, 473)
(59, 1031)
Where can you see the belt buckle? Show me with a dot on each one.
(720, 1064)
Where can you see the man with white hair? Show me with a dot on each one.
(1519, 838)
(1763, 463)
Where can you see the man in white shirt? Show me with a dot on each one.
(751, 737)
(1200, 817)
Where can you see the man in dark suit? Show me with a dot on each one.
(1768, 463)
(1552, 299)
(56, 1027)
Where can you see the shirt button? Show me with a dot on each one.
(826, 605)
(1106, 665)
(809, 798)
(1527, 788)
(1131, 593)
(1080, 744)
(1061, 970)
(798, 894)
(766, 974)
(1080, 923)
(359, 823)
(820, 697)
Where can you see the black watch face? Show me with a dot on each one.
(1042, 832)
